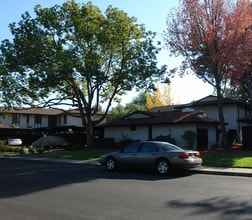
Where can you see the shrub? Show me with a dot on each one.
(189, 137)
(166, 138)
(125, 141)
(40, 150)
(4, 148)
(1, 143)
(15, 149)
(32, 150)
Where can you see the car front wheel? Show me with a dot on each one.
(163, 166)
(111, 164)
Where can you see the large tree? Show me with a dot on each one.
(208, 34)
(75, 52)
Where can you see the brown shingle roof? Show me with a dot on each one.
(33, 111)
(170, 117)
(206, 101)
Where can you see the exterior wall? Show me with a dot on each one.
(7, 120)
(175, 130)
(70, 120)
(141, 133)
(232, 112)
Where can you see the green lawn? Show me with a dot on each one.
(86, 154)
(241, 159)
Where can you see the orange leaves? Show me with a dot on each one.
(212, 35)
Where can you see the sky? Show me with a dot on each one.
(151, 13)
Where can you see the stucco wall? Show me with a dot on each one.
(176, 131)
(141, 133)
(7, 120)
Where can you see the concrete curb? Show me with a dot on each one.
(223, 171)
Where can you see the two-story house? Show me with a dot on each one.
(24, 122)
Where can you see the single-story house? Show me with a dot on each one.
(146, 125)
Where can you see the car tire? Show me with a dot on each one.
(111, 164)
(163, 166)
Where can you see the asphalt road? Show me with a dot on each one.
(39, 190)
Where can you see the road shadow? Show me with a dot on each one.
(225, 207)
(24, 177)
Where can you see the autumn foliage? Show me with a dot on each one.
(214, 38)
(211, 34)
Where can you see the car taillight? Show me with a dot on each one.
(197, 154)
(187, 155)
(184, 155)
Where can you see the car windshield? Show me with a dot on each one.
(168, 146)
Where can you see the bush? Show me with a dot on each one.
(1, 143)
(40, 150)
(165, 138)
(189, 137)
(7, 148)
(14, 149)
(32, 150)
(125, 141)
(4, 148)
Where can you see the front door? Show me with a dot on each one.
(202, 139)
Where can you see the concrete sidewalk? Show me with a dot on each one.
(202, 169)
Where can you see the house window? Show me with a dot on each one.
(38, 121)
(27, 120)
(16, 119)
(65, 119)
(51, 121)
(133, 127)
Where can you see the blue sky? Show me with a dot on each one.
(151, 13)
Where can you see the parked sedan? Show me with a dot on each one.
(161, 156)
(14, 141)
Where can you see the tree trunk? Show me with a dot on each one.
(224, 143)
(90, 135)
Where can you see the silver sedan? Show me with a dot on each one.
(161, 156)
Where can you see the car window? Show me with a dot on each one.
(168, 146)
(149, 147)
(133, 148)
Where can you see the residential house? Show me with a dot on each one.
(233, 111)
(41, 117)
(29, 117)
(146, 125)
(26, 121)
(201, 116)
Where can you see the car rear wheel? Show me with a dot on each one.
(163, 166)
(111, 164)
